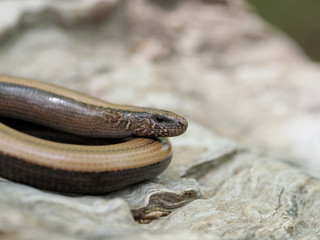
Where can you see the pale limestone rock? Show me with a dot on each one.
(236, 194)
(223, 68)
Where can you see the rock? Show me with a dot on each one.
(229, 191)
(262, 198)
(224, 69)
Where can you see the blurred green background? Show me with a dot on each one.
(298, 19)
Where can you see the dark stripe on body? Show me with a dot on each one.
(63, 181)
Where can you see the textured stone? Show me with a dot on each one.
(224, 69)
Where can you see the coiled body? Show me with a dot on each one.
(81, 169)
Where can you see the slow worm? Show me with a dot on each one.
(75, 168)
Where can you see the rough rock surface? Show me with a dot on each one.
(224, 69)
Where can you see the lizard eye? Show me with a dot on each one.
(159, 119)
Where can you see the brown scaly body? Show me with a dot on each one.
(80, 168)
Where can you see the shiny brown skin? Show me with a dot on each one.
(81, 169)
